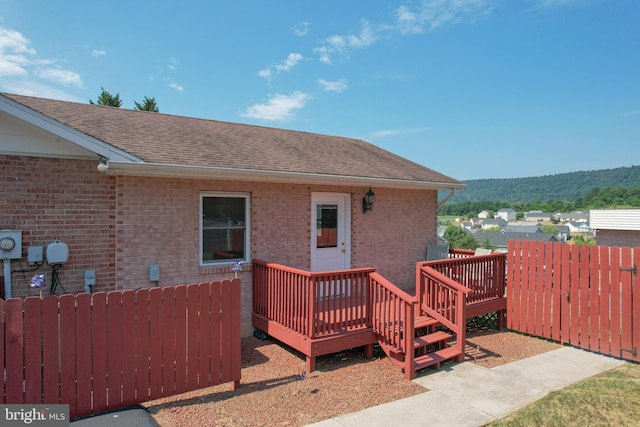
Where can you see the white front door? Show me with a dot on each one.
(330, 231)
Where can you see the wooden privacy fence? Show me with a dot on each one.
(110, 350)
(586, 296)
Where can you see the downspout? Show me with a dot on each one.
(446, 199)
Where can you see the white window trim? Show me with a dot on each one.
(247, 201)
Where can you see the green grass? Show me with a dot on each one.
(609, 399)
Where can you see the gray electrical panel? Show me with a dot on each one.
(89, 277)
(35, 254)
(154, 273)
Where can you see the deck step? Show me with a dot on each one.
(435, 358)
(424, 321)
(426, 340)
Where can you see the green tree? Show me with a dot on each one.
(148, 104)
(107, 99)
(458, 238)
(549, 229)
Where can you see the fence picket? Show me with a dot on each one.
(616, 306)
(128, 348)
(83, 355)
(192, 363)
(99, 350)
(50, 346)
(180, 358)
(67, 306)
(168, 341)
(32, 349)
(114, 349)
(143, 349)
(155, 343)
(14, 349)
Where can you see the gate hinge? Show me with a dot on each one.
(633, 269)
(633, 351)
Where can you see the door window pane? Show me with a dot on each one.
(327, 226)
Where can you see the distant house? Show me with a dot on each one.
(578, 227)
(495, 222)
(538, 216)
(507, 214)
(523, 227)
(499, 240)
(564, 233)
(576, 216)
(616, 227)
(483, 215)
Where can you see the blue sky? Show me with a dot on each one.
(471, 88)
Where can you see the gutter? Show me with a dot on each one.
(231, 174)
(446, 199)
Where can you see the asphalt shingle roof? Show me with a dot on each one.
(174, 140)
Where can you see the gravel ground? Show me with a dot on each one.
(272, 391)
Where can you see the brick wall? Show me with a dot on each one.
(65, 200)
(119, 225)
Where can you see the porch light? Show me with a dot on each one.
(368, 201)
(103, 165)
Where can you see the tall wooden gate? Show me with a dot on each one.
(585, 296)
(105, 351)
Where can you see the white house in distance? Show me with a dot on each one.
(616, 227)
(507, 214)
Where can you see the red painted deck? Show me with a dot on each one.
(327, 312)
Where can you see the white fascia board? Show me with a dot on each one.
(229, 174)
(63, 131)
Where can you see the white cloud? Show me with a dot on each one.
(394, 132)
(278, 107)
(429, 15)
(19, 59)
(342, 44)
(301, 29)
(173, 63)
(98, 52)
(58, 75)
(32, 88)
(337, 86)
(292, 60)
(176, 86)
(14, 53)
(266, 73)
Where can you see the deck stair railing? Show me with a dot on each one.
(393, 318)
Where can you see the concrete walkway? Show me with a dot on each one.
(469, 395)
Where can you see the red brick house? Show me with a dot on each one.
(179, 200)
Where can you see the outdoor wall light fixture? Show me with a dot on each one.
(103, 166)
(368, 201)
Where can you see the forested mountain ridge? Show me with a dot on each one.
(566, 186)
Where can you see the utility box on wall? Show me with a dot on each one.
(10, 244)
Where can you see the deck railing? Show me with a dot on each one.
(484, 275)
(393, 317)
(443, 299)
(312, 303)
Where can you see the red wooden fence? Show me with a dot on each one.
(585, 296)
(110, 350)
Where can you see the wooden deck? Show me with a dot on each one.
(327, 312)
